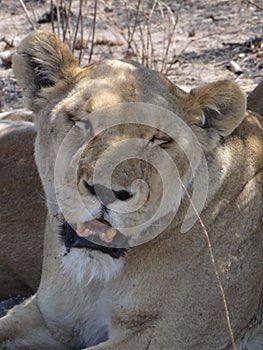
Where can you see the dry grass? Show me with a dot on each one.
(141, 32)
(138, 30)
(214, 265)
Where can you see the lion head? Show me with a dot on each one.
(116, 142)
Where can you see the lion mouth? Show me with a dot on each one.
(72, 239)
(98, 226)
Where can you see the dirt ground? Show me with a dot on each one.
(211, 40)
(208, 39)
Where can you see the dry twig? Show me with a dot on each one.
(79, 19)
(141, 33)
(212, 257)
(93, 29)
(255, 4)
(27, 14)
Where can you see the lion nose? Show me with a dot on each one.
(105, 194)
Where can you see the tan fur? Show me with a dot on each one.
(255, 99)
(22, 203)
(163, 294)
(18, 115)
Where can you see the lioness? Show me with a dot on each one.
(22, 213)
(255, 99)
(126, 263)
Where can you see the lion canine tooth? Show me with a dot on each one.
(81, 227)
(110, 233)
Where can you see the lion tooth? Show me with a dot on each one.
(81, 227)
(110, 233)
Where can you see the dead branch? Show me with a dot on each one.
(73, 45)
(27, 14)
(212, 257)
(93, 29)
(255, 4)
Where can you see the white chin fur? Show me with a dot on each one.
(84, 265)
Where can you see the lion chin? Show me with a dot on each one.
(153, 195)
(87, 265)
(90, 261)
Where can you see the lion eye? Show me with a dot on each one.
(162, 142)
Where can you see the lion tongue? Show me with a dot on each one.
(101, 227)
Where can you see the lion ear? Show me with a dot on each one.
(220, 106)
(44, 68)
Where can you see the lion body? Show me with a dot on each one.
(163, 294)
(22, 214)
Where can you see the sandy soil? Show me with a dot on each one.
(208, 37)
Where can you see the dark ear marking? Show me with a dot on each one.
(220, 106)
(44, 67)
(42, 79)
(209, 115)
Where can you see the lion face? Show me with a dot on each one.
(116, 143)
(112, 167)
